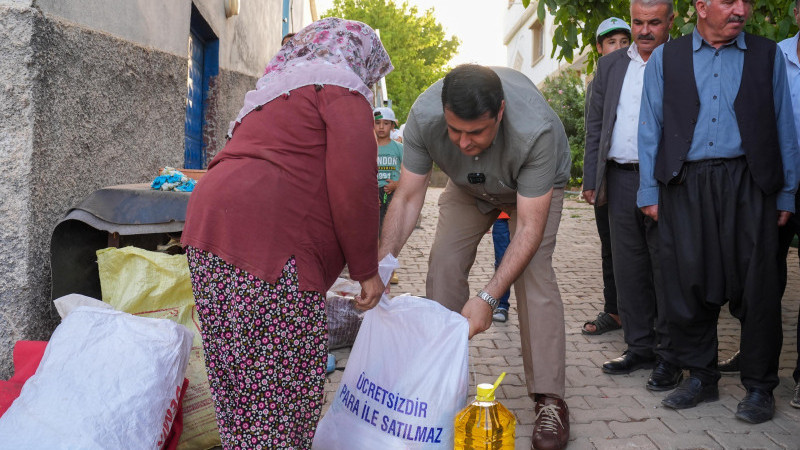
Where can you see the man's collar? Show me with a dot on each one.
(698, 40)
(789, 48)
(633, 52)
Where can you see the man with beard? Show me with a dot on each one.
(504, 149)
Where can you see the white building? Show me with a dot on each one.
(529, 43)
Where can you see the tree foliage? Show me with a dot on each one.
(415, 41)
(772, 19)
(565, 94)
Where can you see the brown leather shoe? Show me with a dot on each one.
(551, 427)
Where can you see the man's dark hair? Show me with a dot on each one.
(471, 90)
(285, 37)
(600, 39)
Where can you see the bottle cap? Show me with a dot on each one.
(486, 390)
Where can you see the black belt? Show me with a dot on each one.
(633, 167)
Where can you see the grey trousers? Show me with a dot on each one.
(460, 229)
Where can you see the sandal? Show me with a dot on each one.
(602, 324)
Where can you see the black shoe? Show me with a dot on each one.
(664, 377)
(627, 363)
(690, 393)
(729, 366)
(795, 402)
(757, 406)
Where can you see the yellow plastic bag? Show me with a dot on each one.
(153, 284)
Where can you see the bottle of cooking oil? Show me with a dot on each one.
(485, 423)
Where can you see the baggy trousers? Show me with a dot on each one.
(719, 243)
(460, 229)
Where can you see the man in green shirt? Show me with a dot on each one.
(503, 148)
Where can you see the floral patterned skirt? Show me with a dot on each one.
(265, 347)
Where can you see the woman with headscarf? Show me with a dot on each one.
(283, 207)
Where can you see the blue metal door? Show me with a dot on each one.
(195, 96)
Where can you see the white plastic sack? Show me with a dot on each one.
(107, 380)
(67, 303)
(405, 380)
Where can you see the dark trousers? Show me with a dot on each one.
(785, 235)
(384, 198)
(634, 243)
(609, 286)
(719, 243)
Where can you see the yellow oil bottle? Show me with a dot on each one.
(485, 423)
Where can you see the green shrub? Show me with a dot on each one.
(565, 94)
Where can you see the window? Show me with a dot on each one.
(537, 30)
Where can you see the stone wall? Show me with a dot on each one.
(226, 96)
(18, 311)
(79, 110)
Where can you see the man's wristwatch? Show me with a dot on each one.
(493, 302)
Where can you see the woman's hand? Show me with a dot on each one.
(371, 291)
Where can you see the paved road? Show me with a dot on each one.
(606, 412)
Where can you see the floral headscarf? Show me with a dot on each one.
(334, 51)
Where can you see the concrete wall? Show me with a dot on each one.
(20, 314)
(82, 108)
(247, 40)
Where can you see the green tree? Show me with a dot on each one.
(772, 19)
(416, 43)
(565, 94)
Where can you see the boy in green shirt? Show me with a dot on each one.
(390, 156)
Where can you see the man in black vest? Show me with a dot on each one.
(719, 165)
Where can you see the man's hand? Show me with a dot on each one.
(390, 186)
(371, 291)
(783, 217)
(588, 195)
(651, 211)
(478, 314)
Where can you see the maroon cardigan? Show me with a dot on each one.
(298, 178)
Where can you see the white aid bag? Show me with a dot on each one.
(107, 379)
(405, 380)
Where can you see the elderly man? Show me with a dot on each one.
(611, 174)
(719, 163)
(493, 134)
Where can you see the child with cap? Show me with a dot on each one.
(612, 34)
(390, 156)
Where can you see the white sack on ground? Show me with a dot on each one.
(107, 380)
(66, 304)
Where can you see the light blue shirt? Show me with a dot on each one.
(789, 49)
(718, 74)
